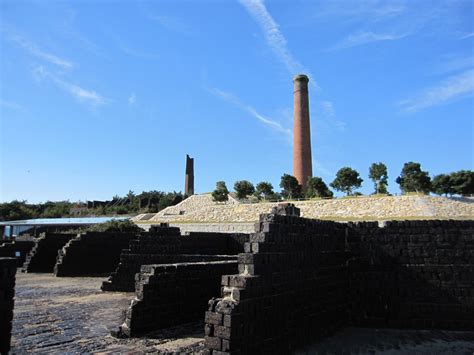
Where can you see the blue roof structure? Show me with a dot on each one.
(61, 221)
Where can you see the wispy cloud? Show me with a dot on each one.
(273, 36)
(453, 88)
(362, 38)
(79, 93)
(170, 23)
(34, 50)
(229, 97)
(469, 35)
(329, 115)
(454, 62)
(132, 99)
(363, 10)
(10, 105)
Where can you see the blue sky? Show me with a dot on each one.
(98, 98)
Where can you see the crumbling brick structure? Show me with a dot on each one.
(189, 179)
(173, 294)
(92, 254)
(301, 279)
(7, 294)
(165, 245)
(17, 249)
(43, 255)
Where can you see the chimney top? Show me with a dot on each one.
(301, 77)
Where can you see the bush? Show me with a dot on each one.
(121, 226)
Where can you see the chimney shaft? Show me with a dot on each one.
(189, 181)
(302, 161)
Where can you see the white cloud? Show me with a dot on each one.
(452, 63)
(34, 50)
(78, 92)
(362, 38)
(11, 105)
(362, 10)
(469, 35)
(273, 36)
(454, 87)
(250, 110)
(132, 99)
(329, 115)
(81, 94)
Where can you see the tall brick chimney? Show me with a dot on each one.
(189, 182)
(302, 163)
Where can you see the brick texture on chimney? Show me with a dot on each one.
(302, 161)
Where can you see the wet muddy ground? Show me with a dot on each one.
(72, 315)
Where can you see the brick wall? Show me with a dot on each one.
(11, 248)
(173, 294)
(301, 279)
(165, 245)
(43, 255)
(92, 254)
(292, 285)
(7, 294)
(413, 274)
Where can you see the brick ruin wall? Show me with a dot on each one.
(7, 297)
(301, 279)
(173, 294)
(414, 274)
(92, 254)
(165, 245)
(43, 255)
(18, 249)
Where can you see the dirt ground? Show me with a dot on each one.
(72, 315)
(65, 314)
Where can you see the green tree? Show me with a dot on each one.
(243, 188)
(463, 182)
(290, 187)
(17, 210)
(443, 184)
(413, 179)
(264, 190)
(347, 179)
(317, 188)
(378, 174)
(220, 194)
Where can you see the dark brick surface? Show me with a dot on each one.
(8, 249)
(165, 245)
(172, 294)
(92, 254)
(43, 255)
(302, 279)
(7, 296)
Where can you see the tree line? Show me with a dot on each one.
(412, 179)
(131, 203)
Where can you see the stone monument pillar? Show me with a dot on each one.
(189, 182)
(302, 163)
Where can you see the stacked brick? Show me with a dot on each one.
(43, 255)
(18, 249)
(173, 294)
(165, 245)
(7, 294)
(300, 279)
(413, 274)
(92, 254)
(292, 286)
